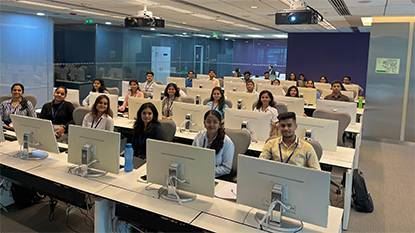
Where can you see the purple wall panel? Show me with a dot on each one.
(330, 54)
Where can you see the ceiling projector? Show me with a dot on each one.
(299, 13)
(144, 19)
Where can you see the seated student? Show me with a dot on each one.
(214, 137)
(266, 104)
(250, 87)
(247, 75)
(134, 91)
(236, 73)
(171, 94)
(289, 148)
(146, 126)
(59, 112)
(293, 92)
(212, 77)
(97, 86)
(336, 94)
(217, 101)
(310, 84)
(276, 82)
(189, 78)
(266, 75)
(17, 105)
(148, 85)
(301, 80)
(100, 116)
(324, 79)
(347, 80)
(292, 77)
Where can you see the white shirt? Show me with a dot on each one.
(105, 122)
(271, 110)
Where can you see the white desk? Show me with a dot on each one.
(13, 134)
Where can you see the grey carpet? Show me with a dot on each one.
(389, 171)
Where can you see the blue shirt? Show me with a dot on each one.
(189, 82)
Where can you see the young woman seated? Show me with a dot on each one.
(100, 116)
(133, 92)
(217, 101)
(171, 94)
(97, 86)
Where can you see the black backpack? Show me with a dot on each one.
(362, 201)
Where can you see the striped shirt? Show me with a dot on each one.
(6, 109)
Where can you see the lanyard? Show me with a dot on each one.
(289, 157)
(93, 120)
(205, 142)
(169, 106)
(54, 113)
(147, 86)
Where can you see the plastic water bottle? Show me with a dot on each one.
(128, 157)
(360, 102)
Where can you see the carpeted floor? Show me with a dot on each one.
(389, 171)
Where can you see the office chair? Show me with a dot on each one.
(227, 102)
(187, 99)
(113, 90)
(281, 107)
(241, 139)
(79, 114)
(32, 99)
(316, 146)
(343, 118)
(168, 128)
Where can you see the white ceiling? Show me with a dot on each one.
(223, 16)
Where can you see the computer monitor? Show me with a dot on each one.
(71, 96)
(264, 184)
(294, 104)
(34, 133)
(255, 122)
(202, 92)
(287, 83)
(113, 101)
(179, 81)
(319, 85)
(275, 90)
(183, 167)
(125, 87)
(231, 85)
(202, 76)
(158, 91)
(86, 145)
(338, 106)
(309, 95)
(202, 83)
(135, 103)
(189, 116)
(322, 130)
(247, 99)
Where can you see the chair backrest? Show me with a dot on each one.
(79, 114)
(241, 139)
(32, 99)
(168, 128)
(316, 146)
(281, 107)
(113, 90)
(187, 99)
(343, 118)
(227, 102)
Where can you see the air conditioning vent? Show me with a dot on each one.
(340, 7)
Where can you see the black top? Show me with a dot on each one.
(139, 139)
(59, 114)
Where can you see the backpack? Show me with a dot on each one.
(362, 201)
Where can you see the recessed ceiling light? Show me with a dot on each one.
(231, 35)
(282, 36)
(184, 33)
(226, 38)
(108, 23)
(40, 14)
(203, 16)
(44, 5)
(224, 21)
(152, 29)
(254, 7)
(364, 1)
(367, 21)
(255, 36)
(90, 12)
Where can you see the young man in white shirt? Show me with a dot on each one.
(147, 86)
(212, 77)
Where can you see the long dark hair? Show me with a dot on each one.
(217, 143)
(289, 77)
(177, 94)
(102, 88)
(221, 100)
(24, 101)
(139, 124)
(94, 106)
(259, 102)
(289, 90)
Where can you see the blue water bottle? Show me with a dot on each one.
(128, 157)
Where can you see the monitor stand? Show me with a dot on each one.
(25, 153)
(170, 192)
(273, 220)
